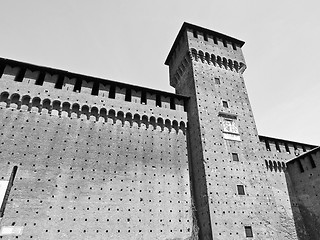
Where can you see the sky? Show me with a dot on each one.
(128, 41)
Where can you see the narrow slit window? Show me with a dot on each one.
(303, 148)
(2, 67)
(77, 86)
(205, 37)
(248, 231)
(19, 77)
(313, 164)
(277, 146)
(95, 89)
(267, 145)
(185, 106)
(59, 82)
(172, 103)
(240, 189)
(40, 78)
(143, 97)
(217, 81)
(225, 104)
(215, 40)
(287, 147)
(235, 157)
(112, 92)
(300, 166)
(128, 95)
(225, 43)
(158, 100)
(195, 34)
(234, 46)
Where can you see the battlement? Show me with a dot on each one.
(285, 146)
(85, 87)
(205, 35)
(206, 46)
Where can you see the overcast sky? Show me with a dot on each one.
(128, 41)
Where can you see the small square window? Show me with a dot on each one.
(240, 189)
(235, 157)
(225, 104)
(217, 80)
(248, 230)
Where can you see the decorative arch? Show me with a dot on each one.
(4, 97)
(75, 108)
(230, 64)
(225, 63)
(25, 100)
(236, 66)
(167, 124)
(103, 112)
(46, 103)
(95, 111)
(15, 98)
(194, 54)
(201, 55)
(66, 106)
(56, 105)
(36, 102)
(85, 110)
(207, 57)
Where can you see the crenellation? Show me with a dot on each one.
(98, 159)
(55, 85)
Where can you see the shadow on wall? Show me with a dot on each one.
(307, 224)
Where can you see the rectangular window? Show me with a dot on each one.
(248, 231)
(235, 157)
(225, 104)
(217, 80)
(240, 189)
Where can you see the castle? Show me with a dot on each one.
(89, 158)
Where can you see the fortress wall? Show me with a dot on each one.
(276, 153)
(91, 167)
(304, 178)
(43, 83)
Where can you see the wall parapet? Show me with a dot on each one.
(82, 84)
(281, 145)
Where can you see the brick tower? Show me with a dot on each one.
(232, 194)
